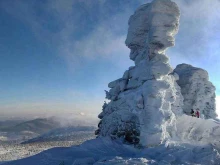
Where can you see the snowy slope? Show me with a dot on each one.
(197, 142)
(197, 131)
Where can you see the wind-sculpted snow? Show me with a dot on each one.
(152, 29)
(197, 90)
(146, 99)
(104, 151)
(198, 131)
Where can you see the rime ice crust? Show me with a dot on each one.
(145, 101)
(152, 29)
(197, 90)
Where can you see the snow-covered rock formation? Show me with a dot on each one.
(197, 90)
(145, 101)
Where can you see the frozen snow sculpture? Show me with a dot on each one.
(145, 101)
(197, 90)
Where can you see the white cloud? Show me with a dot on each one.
(103, 41)
(196, 39)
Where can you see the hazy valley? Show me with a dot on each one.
(20, 138)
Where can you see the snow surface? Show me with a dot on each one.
(197, 143)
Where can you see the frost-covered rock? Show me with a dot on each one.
(197, 90)
(145, 101)
(152, 29)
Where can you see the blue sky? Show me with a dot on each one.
(57, 56)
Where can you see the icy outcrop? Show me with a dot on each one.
(145, 101)
(197, 90)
